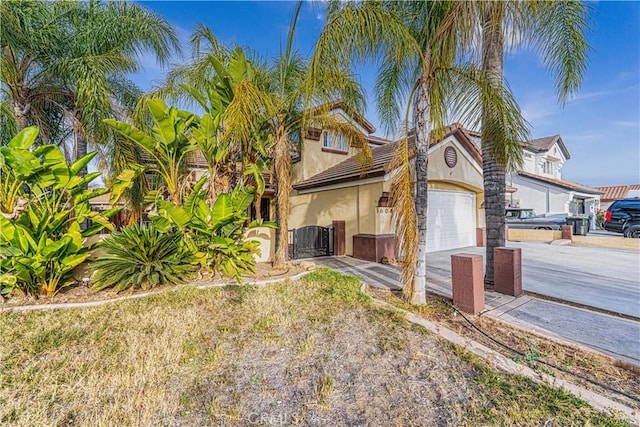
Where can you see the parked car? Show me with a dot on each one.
(623, 216)
(527, 218)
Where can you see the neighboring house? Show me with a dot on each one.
(330, 184)
(539, 185)
(612, 193)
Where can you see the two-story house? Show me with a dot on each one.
(539, 184)
(330, 184)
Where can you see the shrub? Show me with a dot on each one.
(215, 232)
(44, 202)
(142, 256)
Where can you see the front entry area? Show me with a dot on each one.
(451, 220)
(310, 241)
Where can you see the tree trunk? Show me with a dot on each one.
(421, 113)
(493, 172)
(21, 110)
(81, 143)
(282, 169)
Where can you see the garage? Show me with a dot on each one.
(451, 220)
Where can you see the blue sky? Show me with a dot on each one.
(600, 125)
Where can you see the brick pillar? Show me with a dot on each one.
(467, 282)
(481, 237)
(339, 238)
(507, 271)
(567, 232)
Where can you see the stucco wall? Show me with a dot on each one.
(354, 205)
(266, 237)
(537, 196)
(314, 160)
(466, 173)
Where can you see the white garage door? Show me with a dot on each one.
(451, 220)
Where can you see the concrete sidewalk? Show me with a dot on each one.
(615, 336)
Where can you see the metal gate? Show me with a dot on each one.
(310, 241)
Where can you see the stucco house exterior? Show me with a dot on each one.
(539, 184)
(330, 184)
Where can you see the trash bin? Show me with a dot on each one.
(580, 225)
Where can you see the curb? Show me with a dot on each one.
(71, 305)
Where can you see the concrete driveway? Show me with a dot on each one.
(604, 278)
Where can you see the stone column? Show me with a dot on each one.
(467, 282)
(507, 265)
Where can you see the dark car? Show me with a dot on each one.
(623, 216)
(527, 218)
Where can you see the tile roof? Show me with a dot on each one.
(616, 191)
(561, 183)
(540, 145)
(351, 168)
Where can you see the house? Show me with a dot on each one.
(615, 192)
(539, 184)
(330, 184)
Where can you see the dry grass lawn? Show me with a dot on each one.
(311, 352)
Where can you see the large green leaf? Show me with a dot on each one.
(136, 135)
(7, 229)
(75, 234)
(71, 261)
(222, 210)
(88, 195)
(25, 138)
(177, 215)
(54, 248)
(165, 130)
(242, 197)
(100, 219)
(120, 184)
(83, 161)
(196, 95)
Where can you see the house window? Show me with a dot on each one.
(547, 167)
(334, 141)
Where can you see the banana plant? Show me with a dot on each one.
(42, 242)
(18, 165)
(215, 232)
(167, 145)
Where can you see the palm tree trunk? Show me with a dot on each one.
(81, 142)
(20, 111)
(421, 113)
(282, 169)
(493, 172)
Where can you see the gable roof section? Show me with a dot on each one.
(351, 170)
(561, 183)
(540, 145)
(616, 191)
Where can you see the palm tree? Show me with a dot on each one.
(30, 94)
(419, 44)
(70, 60)
(557, 31)
(265, 106)
(294, 90)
